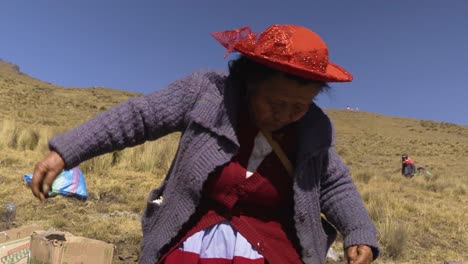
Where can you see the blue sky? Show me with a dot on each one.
(409, 58)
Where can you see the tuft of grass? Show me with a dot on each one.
(460, 191)
(8, 134)
(376, 207)
(394, 238)
(28, 139)
(151, 157)
(98, 165)
(363, 177)
(45, 134)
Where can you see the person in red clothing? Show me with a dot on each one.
(245, 213)
(408, 168)
(256, 165)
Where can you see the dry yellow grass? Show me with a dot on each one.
(422, 219)
(419, 220)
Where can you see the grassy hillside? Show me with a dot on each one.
(420, 220)
(33, 102)
(423, 219)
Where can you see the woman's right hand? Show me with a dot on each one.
(45, 173)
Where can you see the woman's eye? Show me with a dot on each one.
(298, 108)
(276, 106)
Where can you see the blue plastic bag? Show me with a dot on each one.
(68, 183)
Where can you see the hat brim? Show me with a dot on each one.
(333, 73)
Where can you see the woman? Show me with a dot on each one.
(408, 169)
(256, 164)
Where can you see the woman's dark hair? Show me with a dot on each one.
(244, 70)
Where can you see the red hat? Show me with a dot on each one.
(289, 48)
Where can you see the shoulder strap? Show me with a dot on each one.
(289, 167)
(280, 153)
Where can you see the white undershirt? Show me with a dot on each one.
(260, 150)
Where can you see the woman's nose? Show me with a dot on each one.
(295, 115)
(283, 116)
(286, 115)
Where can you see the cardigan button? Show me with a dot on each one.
(242, 193)
(260, 246)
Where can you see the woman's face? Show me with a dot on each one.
(280, 101)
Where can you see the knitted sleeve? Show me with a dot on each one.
(131, 123)
(343, 206)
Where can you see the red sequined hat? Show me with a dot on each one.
(289, 48)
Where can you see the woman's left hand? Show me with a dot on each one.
(360, 254)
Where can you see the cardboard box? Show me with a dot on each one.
(55, 247)
(14, 244)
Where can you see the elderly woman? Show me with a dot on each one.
(256, 172)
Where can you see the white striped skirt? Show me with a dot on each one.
(217, 244)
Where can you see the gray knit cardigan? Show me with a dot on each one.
(203, 106)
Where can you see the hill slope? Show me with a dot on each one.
(420, 220)
(31, 101)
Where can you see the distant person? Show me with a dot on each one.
(348, 108)
(408, 169)
(256, 164)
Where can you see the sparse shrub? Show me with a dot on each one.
(9, 162)
(388, 176)
(376, 208)
(436, 186)
(151, 156)
(342, 151)
(394, 237)
(112, 193)
(364, 177)
(9, 134)
(23, 114)
(410, 207)
(47, 122)
(116, 157)
(365, 197)
(28, 139)
(43, 143)
(148, 157)
(431, 177)
(376, 211)
(59, 223)
(460, 190)
(445, 125)
(97, 164)
(428, 124)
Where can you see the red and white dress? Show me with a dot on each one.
(246, 211)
